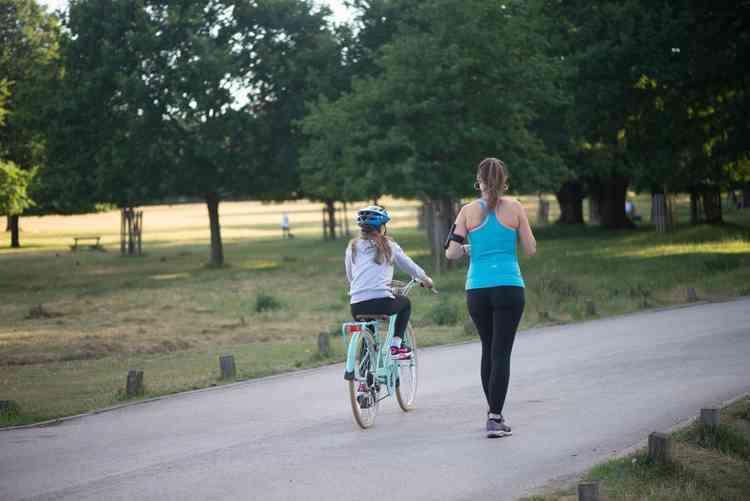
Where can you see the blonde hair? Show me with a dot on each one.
(383, 252)
(494, 175)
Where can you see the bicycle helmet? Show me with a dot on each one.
(372, 217)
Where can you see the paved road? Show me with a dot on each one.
(578, 393)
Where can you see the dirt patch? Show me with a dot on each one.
(40, 312)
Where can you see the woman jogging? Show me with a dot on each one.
(494, 285)
(369, 269)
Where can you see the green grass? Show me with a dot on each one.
(709, 465)
(169, 314)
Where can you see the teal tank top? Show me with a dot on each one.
(493, 260)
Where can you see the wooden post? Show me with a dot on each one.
(710, 416)
(140, 233)
(134, 384)
(542, 213)
(228, 369)
(9, 408)
(692, 296)
(325, 226)
(588, 491)
(346, 220)
(590, 308)
(660, 448)
(324, 344)
(122, 232)
(661, 212)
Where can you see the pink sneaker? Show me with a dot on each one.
(402, 353)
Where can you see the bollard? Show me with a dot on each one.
(660, 448)
(692, 296)
(134, 384)
(324, 344)
(590, 308)
(710, 416)
(588, 491)
(228, 369)
(9, 408)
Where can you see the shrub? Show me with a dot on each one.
(266, 302)
(445, 313)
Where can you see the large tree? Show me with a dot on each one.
(463, 82)
(28, 51)
(193, 98)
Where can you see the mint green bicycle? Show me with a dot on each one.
(370, 372)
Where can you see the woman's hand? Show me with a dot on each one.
(467, 249)
(427, 282)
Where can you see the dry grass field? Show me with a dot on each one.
(73, 323)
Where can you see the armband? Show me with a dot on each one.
(453, 237)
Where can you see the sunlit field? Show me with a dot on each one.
(75, 322)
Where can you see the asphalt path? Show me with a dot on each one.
(579, 394)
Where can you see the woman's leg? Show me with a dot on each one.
(480, 310)
(507, 308)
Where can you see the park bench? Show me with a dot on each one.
(74, 247)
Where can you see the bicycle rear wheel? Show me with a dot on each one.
(363, 388)
(406, 386)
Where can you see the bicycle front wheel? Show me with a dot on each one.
(364, 386)
(406, 385)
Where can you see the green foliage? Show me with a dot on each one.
(442, 99)
(446, 312)
(722, 438)
(266, 302)
(14, 184)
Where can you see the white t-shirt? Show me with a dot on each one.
(370, 280)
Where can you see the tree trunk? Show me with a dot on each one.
(661, 212)
(695, 207)
(15, 241)
(442, 215)
(217, 248)
(570, 200)
(422, 216)
(712, 204)
(331, 219)
(746, 196)
(595, 203)
(614, 191)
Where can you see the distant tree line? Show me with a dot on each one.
(130, 101)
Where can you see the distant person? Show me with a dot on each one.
(630, 211)
(369, 264)
(494, 224)
(285, 231)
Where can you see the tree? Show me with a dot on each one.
(446, 97)
(28, 51)
(199, 98)
(14, 197)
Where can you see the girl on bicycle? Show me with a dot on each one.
(494, 224)
(369, 269)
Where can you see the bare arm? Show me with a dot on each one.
(456, 250)
(528, 242)
(348, 262)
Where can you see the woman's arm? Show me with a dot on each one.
(456, 250)
(528, 242)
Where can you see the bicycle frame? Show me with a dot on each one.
(386, 370)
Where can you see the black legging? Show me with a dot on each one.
(386, 306)
(496, 312)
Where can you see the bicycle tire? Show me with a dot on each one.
(364, 405)
(406, 385)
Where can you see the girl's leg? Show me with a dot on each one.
(508, 303)
(400, 306)
(480, 311)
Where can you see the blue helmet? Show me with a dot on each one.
(373, 217)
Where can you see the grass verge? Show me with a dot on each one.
(74, 323)
(710, 464)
